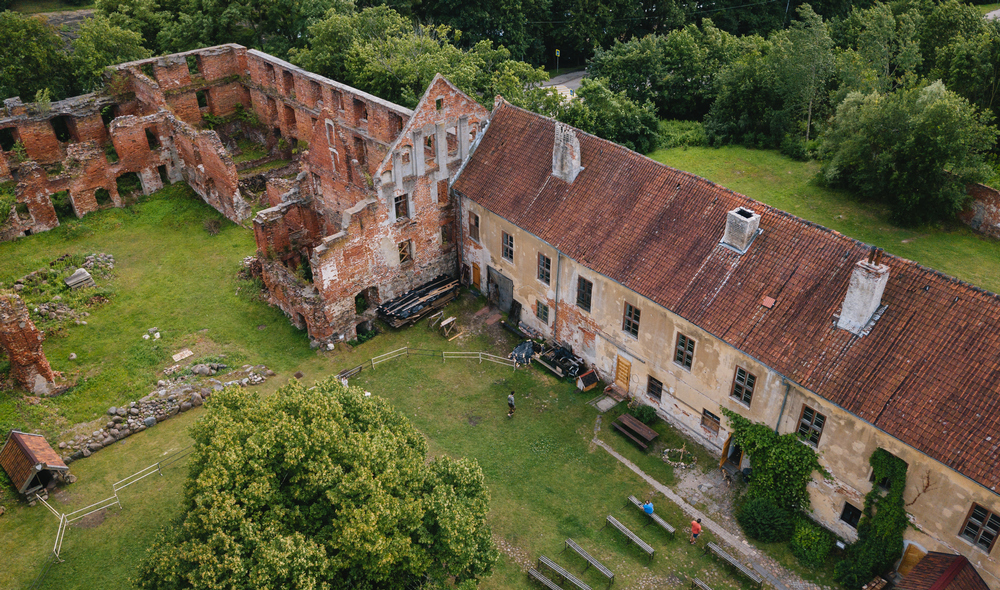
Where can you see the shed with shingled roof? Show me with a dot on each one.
(29, 461)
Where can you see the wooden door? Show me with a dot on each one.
(622, 373)
(911, 557)
(725, 451)
(475, 276)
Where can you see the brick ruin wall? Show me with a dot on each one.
(152, 122)
(337, 220)
(983, 212)
(21, 341)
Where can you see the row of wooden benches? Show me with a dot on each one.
(751, 574)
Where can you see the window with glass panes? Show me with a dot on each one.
(654, 388)
(508, 247)
(630, 323)
(981, 528)
(584, 289)
(402, 206)
(811, 425)
(542, 311)
(544, 268)
(743, 385)
(684, 351)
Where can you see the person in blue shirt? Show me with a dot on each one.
(648, 507)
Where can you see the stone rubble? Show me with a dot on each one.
(169, 398)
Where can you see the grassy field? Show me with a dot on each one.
(547, 481)
(985, 8)
(792, 186)
(170, 274)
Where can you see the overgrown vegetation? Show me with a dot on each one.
(883, 522)
(7, 200)
(782, 465)
(645, 414)
(811, 543)
(765, 521)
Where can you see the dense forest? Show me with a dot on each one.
(898, 99)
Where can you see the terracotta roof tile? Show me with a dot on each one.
(941, 571)
(928, 373)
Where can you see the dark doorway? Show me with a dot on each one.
(128, 183)
(8, 137)
(366, 299)
(163, 175)
(63, 128)
(108, 114)
(152, 140)
(500, 289)
(103, 197)
(300, 321)
(63, 205)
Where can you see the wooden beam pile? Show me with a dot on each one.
(417, 303)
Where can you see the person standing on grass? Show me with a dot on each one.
(695, 530)
(510, 404)
(648, 507)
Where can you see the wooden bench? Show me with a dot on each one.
(591, 561)
(654, 517)
(631, 427)
(696, 583)
(736, 564)
(541, 578)
(562, 573)
(631, 536)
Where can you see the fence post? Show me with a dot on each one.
(372, 360)
(158, 468)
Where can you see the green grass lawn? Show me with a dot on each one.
(792, 186)
(985, 8)
(170, 274)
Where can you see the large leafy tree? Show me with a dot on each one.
(32, 58)
(324, 488)
(914, 149)
(613, 116)
(102, 44)
(804, 62)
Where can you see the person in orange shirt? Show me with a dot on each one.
(695, 530)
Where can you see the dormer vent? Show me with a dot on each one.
(864, 293)
(566, 153)
(741, 228)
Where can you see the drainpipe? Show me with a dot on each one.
(555, 317)
(781, 413)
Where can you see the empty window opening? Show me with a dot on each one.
(337, 101)
(63, 205)
(443, 197)
(429, 143)
(108, 114)
(316, 93)
(451, 137)
(886, 482)
(439, 104)
(152, 139)
(277, 132)
(366, 299)
(473, 226)
(654, 388)
(8, 137)
(111, 153)
(402, 206)
(269, 74)
(329, 132)
(313, 121)
(147, 69)
(811, 425)
(397, 122)
(743, 384)
(851, 514)
(630, 321)
(445, 235)
(544, 268)
(710, 422)
(406, 156)
(290, 118)
(288, 82)
(405, 252)
(472, 132)
(359, 151)
(202, 99)
(63, 126)
(164, 178)
(300, 321)
(103, 197)
(584, 291)
(507, 251)
(22, 211)
(128, 184)
(360, 110)
(981, 528)
(684, 351)
(192, 64)
(542, 312)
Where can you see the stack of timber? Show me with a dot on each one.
(417, 303)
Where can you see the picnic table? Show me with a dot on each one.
(631, 427)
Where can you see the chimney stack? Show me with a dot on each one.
(864, 293)
(741, 229)
(566, 153)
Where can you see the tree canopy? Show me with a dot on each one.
(325, 488)
(32, 56)
(100, 45)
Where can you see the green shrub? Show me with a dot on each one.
(7, 200)
(810, 543)
(645, 414)
(682, 134)
(761, 519)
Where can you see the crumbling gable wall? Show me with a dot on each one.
(22, 343)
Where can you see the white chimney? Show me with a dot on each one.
(566, 153)
(741, 229)
(864, 293)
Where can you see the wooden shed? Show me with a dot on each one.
(30, 463)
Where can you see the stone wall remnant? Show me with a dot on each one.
(22, 342)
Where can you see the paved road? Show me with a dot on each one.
(566, 84)
(994, 15)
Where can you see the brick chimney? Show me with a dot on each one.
(864, 293)
(566, 153)
(741, 229)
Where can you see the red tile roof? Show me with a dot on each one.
(941, 571)
(928, 373)
(22, 452)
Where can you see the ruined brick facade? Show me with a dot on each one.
(22, 343)
(982, 213)
(368, 212)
